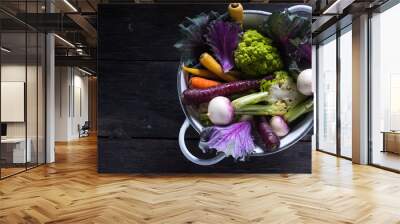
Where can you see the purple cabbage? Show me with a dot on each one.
(299, 51)
(234, 140)
(305, 51)
(223, 38)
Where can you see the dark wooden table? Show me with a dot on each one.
(139, 113)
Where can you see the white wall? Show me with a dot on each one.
(62, 82)
(71, 93)
(33, 127)
(314, 72)
(80, 110)
(16, 72)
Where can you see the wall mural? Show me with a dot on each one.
(243, 75)
(246, 76)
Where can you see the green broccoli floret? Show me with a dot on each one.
(255, 56)
(282, 89)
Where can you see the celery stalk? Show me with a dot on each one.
(249, 99)
(266, 110)
(299, 110)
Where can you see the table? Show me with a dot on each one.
(391, 141)
(16, 147)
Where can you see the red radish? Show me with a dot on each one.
(197, 96)
(220, 111)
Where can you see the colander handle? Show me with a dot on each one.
(189, 155)
(300, 8)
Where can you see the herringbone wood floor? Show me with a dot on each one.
(71, 191)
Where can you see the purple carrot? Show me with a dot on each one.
(197, 96)
(270, 139)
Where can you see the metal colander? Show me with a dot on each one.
(252, 19)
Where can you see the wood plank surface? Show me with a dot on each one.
(139, 99)
(139, 113)
(164, 156)
(71, 191)
(149, 31)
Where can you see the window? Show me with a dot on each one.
(22, 77)
(385, 89)
(346, 92)
(327, 96)
(334, 106)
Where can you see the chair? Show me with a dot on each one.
(84, 130)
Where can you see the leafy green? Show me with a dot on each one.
(193, 43)
(205, 120)
(223, 38)
(292, 34)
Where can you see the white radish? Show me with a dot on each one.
(220, 111)
(279, 126)
(304, 82)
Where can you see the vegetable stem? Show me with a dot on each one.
(266, 110)
(299, 110)
(205, 120)
(249, 99)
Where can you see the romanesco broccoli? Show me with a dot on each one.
(255, 56)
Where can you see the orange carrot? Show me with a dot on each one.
(202, 83)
